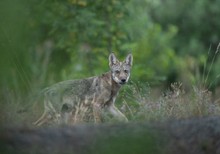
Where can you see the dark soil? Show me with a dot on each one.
(190, 136)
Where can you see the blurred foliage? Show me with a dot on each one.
(197, 22)
(14, 49)
(46, 41)
(153, 50)
(198, 28)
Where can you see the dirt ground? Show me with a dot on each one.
(191, 136)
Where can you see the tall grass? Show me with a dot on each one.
(175, 102)
(211, 66)
(137, 102)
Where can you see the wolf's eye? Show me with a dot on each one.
(117, 71)
(126, 71)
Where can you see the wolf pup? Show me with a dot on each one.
(65, 100)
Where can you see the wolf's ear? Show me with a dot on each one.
(112, 59)
(129, 59)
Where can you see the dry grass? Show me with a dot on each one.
(174, 103)
(137, 103)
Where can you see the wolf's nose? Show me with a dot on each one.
(123, 80)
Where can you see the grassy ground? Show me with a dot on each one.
(136, 101)
(174, 103)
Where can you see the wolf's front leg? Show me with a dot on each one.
(117, 114)
(97, 112)
(66, 112)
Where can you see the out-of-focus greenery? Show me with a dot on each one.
(46, 41)
(198, 33)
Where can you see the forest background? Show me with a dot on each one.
(46, 41)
